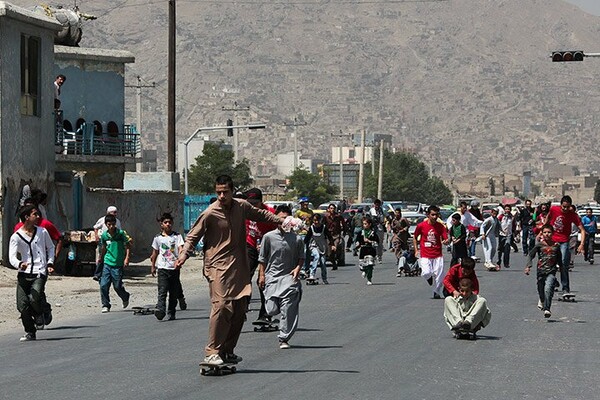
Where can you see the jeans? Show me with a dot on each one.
(168, 282)
(563, 261)
(114, 275)
(473, 244)
(588, 246)
(354, 237)
(316, 260)
(545, 286)
(504, 250)
(527, 239)
(30, 298)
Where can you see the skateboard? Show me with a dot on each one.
(465, 335)
(492, 267)
(476, 259)
(313, 281)
(265, 326)
(218, 370)
(567, 298)
(143, 310)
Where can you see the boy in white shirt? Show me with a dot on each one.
(166, 247)
(31, 252)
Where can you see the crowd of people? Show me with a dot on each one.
(243, 237)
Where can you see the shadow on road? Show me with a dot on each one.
(60, 328)
(293, 371)
(314, 347)
(63, 338)
(309, 330)
(488, 337)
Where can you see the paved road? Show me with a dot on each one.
(386, 341)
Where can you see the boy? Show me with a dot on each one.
(467, 312)
(432, 234)
(548, 252)
(115, 247)
(165, 249)
(507, 230)
(280, 260)
(466, 269)
(489, 232)
(368, 242)
(589, 222)
(31, 252)
(458, 238)
(318, 240)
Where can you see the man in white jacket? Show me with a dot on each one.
(31, 252)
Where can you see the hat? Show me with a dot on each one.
(239, 195)
(254, 194)
(111, 209)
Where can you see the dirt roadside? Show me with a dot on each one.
(76, 296)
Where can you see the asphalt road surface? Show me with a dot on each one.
(386, 341)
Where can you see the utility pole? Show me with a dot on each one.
(341, 135)
(171, 135)
(295, 125)
(380, 177)
(138, 95)
(235, 109)
(361, 166)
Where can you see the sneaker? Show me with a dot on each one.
(96, 278)
(547, 314)
(28, 337)
(39, 322)
(458, 326)
(159, 314)
(466, 326)
(325, 282)
(311, 277)
(436, 296)
(399, 274)
(364, 274)
(171, 316)
(105, 310)
(334, 268)
(369, 283)
(232, 358)
(284, 345)
(507, 266)
(430, 281)
(182, 304)
(126, 303)
(213, 359)
(540, 305)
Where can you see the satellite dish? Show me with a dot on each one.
(70, 19)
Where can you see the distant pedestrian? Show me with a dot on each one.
(489, 236)
(378, 218)
(590, 224)
(114, 251)
(166, 247)
(458, 239)
(526, 219)
(280, 260)
(507, 230)
(31, 252)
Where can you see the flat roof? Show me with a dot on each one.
(92, 54)
(8, 10)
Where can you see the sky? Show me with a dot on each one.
(590, 6)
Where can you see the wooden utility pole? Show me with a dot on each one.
(236, 143)
(171, 134)
(361, 166)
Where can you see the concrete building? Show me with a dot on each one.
(285, 163)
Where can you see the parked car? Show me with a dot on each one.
(596, 212)
(405, 206)
(413, 218)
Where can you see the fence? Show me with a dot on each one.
(193, 206)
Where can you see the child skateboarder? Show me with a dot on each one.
(115, 247)
(166, 247)
(548, 252)
(468, 312)
(280, 260)
(368, 240)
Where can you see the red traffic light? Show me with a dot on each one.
(567, 56)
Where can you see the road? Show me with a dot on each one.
(386, 341)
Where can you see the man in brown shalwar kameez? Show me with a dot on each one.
(222, 227)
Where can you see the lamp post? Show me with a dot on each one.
(211, 128)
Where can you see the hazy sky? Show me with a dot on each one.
(591, 6)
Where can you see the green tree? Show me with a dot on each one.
(406, 178)
(215, 161)
(305, 183)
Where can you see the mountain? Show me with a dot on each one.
(467, 85)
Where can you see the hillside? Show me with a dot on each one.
(467, 85)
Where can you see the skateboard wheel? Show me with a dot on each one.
(202, 371)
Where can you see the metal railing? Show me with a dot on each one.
(84, 142)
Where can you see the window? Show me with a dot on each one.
(97, 128)
(112, 129)
(79, 122)
(30, 75)
(67, 125)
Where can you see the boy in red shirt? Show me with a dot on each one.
(466, 269)
(432, 234)
(561, 218)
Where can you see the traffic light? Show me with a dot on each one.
(229, 130)
(566, 56)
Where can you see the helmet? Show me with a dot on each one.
(474, 203)
(303, 200)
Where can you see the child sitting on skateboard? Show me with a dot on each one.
(548, 252)
(468, 312)
(464, 269)
(279, 262)
(368, 241)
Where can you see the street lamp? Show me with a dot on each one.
(252, 126)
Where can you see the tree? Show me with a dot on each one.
(213, 162)
(407, 178)
(304, 183)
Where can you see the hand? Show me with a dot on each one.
(296, 273)
(50, 268)
(580, 249)
(527, 269)
(445, 242)
(332, 248)
(153, 270)
(126, 262)
(23, 266)
(261, 282)
(179, 263)
(455, 294)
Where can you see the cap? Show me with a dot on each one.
(111, 209)
(474, 203)
(239, 195)
(254, 194)
(303, 200)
